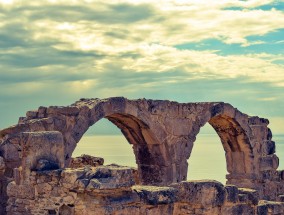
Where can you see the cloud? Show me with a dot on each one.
(59, 51)
(101, 25)
(267, 99)
(201, 64)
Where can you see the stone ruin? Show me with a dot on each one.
(39, 176)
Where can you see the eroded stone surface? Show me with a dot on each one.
(60, 191)
(84, 160)
(204, 192)
(162, 134)
(2, 166)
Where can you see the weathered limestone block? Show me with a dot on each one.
(66, 210)
(84, 160)
(20, 191)
(269, 162)
(238, 209)
(154, 195)
(11, 150)
(202, 192)
(243, 198)
(154, 174)
(270, 175)
(261, 133)
(271, 189)
(252, 195)
(42, 189)
(162, 209)
(58, 110)
(42, 112)
(183, 209)
(41, 150)
(268, 147)
(280, 198)
(99, 178)
(270, 208)
(232, 193)
(255, 120)
(207, 211)
(177, 126)
(37, 125)
(31, 114)
(115, 197)
(70, 176)
(111, 177)
(21, 120)
(2, 166)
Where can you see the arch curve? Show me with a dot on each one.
(148, 150)
(162, 133)
(236, 143)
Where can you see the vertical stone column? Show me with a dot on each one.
(153, 166)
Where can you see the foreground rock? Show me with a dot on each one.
(111, 190)
(84, 160)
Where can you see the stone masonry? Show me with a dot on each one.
(35, 156)
(112, 190)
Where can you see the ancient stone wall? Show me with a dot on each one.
(162, 134)
(110, 190)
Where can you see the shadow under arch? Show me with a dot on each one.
(236, 143)
(149, 153)
(234, 131)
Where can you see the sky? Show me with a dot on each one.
(54, 52)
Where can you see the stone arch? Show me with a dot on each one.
(150, 154)
(236, 143)
(236, 136)
(162, 133)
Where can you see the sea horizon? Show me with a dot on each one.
(207, 160)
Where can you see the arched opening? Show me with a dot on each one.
(238, 151)
(239, 159)
(150, 154)
(105, 140)
(207, 159)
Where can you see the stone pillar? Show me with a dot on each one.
(153, 166)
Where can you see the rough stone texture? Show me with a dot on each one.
(203, 193)
(71, 191)
(41, 151)
(162, 134)
(3, 197)
(84, 160)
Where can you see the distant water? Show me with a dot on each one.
(207, 159)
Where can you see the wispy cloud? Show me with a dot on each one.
(267, 99)
(108, 48)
